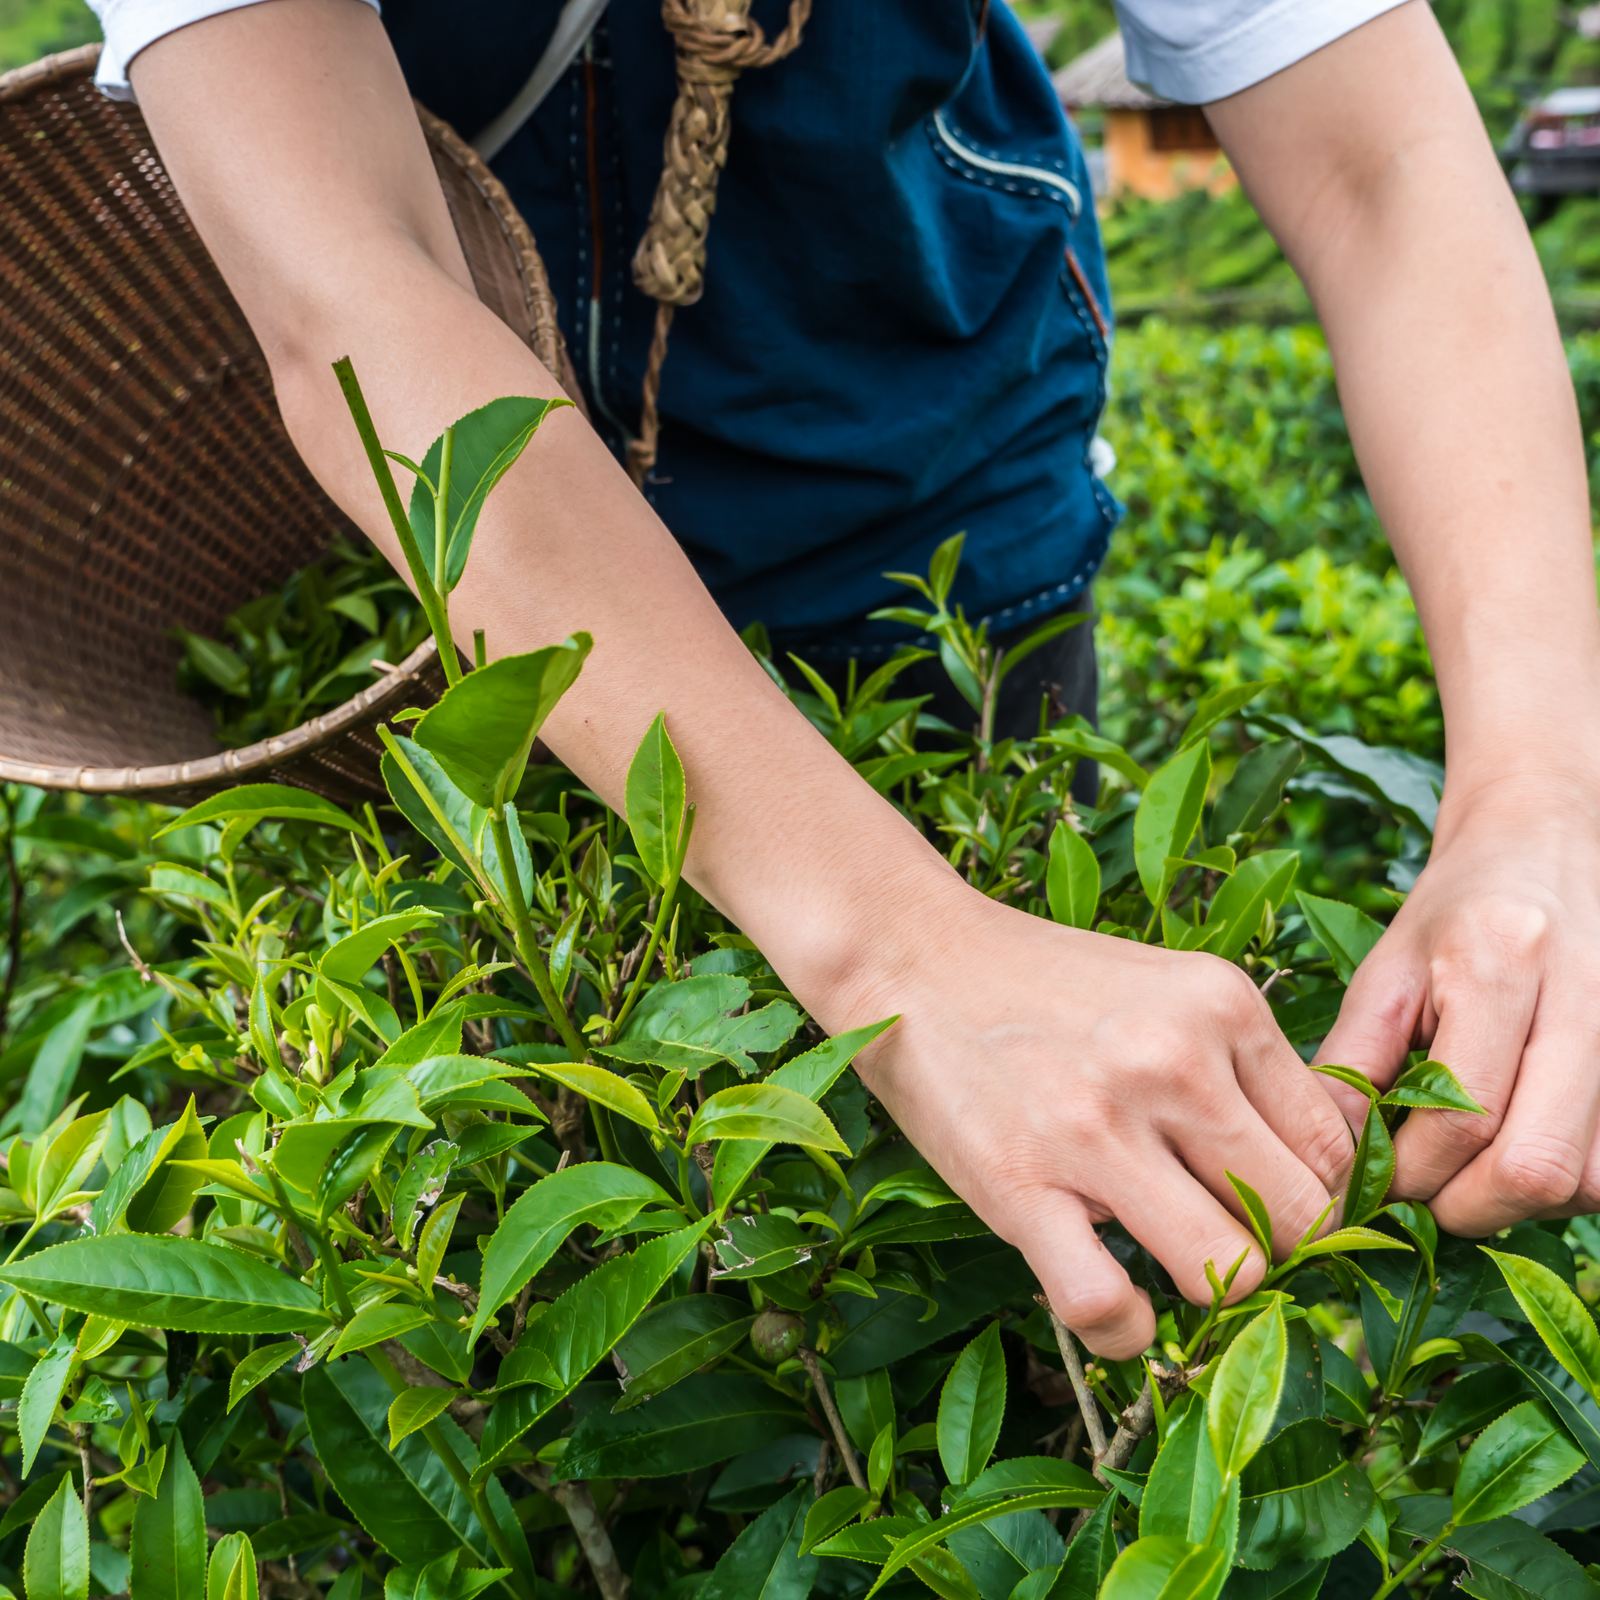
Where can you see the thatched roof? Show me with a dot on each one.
(1098, 81)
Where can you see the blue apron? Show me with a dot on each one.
(904, 327)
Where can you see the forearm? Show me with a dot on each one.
(788, 841)
(1379, 179)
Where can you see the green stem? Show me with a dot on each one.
(23, 1242)
(451, 1463)
(528, 940)
(663, 912)
(604, 1132)
(432, 605)
(1411, 1566)
(441, 521)
(330, 1269)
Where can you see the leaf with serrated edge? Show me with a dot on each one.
(1558, 1316)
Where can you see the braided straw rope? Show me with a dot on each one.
(717, 40)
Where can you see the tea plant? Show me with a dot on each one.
(511, 1231)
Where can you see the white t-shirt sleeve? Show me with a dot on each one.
(129, 25)
(1194, 51)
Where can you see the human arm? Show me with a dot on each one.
(1054, 1077)
(1369, 162)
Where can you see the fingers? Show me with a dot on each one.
(1183, 1226)
(1377, 1022)
(1484, 992)
(1297, 1200)
(1539, 1160)
(1083, 1281)
(1302, 1155)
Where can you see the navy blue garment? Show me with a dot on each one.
(903, 332)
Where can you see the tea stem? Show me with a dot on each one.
(432, 604)
(451, 1462)
(528, 940)
(663, 913)
(1431, 1548)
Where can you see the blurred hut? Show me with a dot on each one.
(1152, 147)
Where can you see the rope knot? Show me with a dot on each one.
(716, 41)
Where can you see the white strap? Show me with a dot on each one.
(577, 21)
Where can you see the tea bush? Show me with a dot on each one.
(448, 1201)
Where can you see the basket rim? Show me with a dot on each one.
(379, 700)
(228, 767)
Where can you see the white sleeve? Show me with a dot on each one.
(129, 25)
(1194, 51)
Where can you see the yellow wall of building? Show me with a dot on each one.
(1133, 166)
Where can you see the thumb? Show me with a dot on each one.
(1084, 1283)
(1376, 1024)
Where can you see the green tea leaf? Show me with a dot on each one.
(259, 802)
(1072, 882)
(1518, 1457)
(485, 445)
(765, 1111)
(404, 1498)
(756, 1246)
(232, 1572)
(1430, 1085)
(482, 730)
(1252, 794)
(1162, 1568)
(40, 1396)
(1256, 883)
(561, 1348)
(1345, 1239)
(452, 837)
(1243, 1399)
(1168, 814)
(766, 1562)
(1256, 1214)
(1473, 1401)
(165, 1282)
(1346, 933)
(1185, 1484)
(674, 1339)
(257, 1367)
(348, 960)
(55, 1565)
(655, 799)
(972, 1406)
(695, 1423)
(597, 1192)
(415, 1409)
(373, 1324)
(604, 1088)
(1558, 1316)
(835, 1510)
(164, 1198)
(1302, 1500)
(972, 1513)
(169, 1534)
(1212, 708)
(1349, 1075)
(1372, 1172)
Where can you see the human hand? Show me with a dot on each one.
(1493, 966)
(1057, 1078)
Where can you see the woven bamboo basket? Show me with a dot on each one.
(146, 478)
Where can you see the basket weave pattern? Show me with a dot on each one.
(146, 478)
